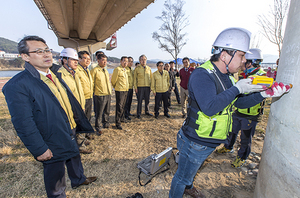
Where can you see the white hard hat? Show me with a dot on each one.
(255, 54)
(233, 39)
(70, 53)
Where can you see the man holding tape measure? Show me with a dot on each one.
(212, 94)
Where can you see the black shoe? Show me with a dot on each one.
(167, 115)
(156, 116)
(138, 117)
(106, 126)
(149, 114)
(98, 133)
(130, 114)
(124, 121)
(179, 102)
(170, 107)
(119, 127)
(128, 118)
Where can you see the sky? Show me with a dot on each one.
(207, 18)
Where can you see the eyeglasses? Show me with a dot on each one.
(41, 52)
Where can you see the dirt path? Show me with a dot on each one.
(116, 154)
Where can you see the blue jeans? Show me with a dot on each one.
(191, 157)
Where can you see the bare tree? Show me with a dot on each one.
(273, 24)
(256, 40)
(171, 39)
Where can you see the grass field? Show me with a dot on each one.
(116, 154)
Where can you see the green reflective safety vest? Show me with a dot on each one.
(260, 72)
(216, 126)
(253, 111)
(257, 109)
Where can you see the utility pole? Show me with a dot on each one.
(279, 170)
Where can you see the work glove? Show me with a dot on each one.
(276, 90)
(246, 86)
(270, 73)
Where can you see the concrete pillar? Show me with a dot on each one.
(279, 170)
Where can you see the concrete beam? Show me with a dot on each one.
(89, 12)
(92, 20)
(79, 44)
(119, 15)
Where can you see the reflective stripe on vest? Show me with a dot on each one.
(218, 125)
(255, 110)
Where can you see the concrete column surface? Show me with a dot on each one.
(279, 170)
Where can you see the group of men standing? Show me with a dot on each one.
(124, 79)
(49, 104)
(95, 87)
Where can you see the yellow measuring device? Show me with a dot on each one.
(262, 80)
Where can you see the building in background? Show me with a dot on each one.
(8, 56)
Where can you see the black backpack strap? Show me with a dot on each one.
(218, 82)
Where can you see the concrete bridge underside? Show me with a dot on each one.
(87, 23)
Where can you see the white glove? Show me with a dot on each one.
(245, 86)
(276, 90)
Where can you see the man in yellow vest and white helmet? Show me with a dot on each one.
(252, 66)
(212, 94)
(245, 119)
(69, 61)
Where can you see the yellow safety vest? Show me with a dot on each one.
(130, 74)
(216, 126)
(119, 79)
(142, 76)
(160, 83)
(257, 109)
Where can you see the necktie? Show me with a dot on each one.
(50, 77)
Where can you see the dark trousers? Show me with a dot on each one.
(169, 98)
(102, 109)
(88, 108)
(120, 104)
(128, 102)
(177, 93)
(54, 176)
(143, 93)
(247, 128)
(158, 98)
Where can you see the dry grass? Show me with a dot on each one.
(116, 154)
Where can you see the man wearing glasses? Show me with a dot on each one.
(184, 75)
(43, 113)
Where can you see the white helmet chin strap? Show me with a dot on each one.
(229, 62)
(68, 64)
